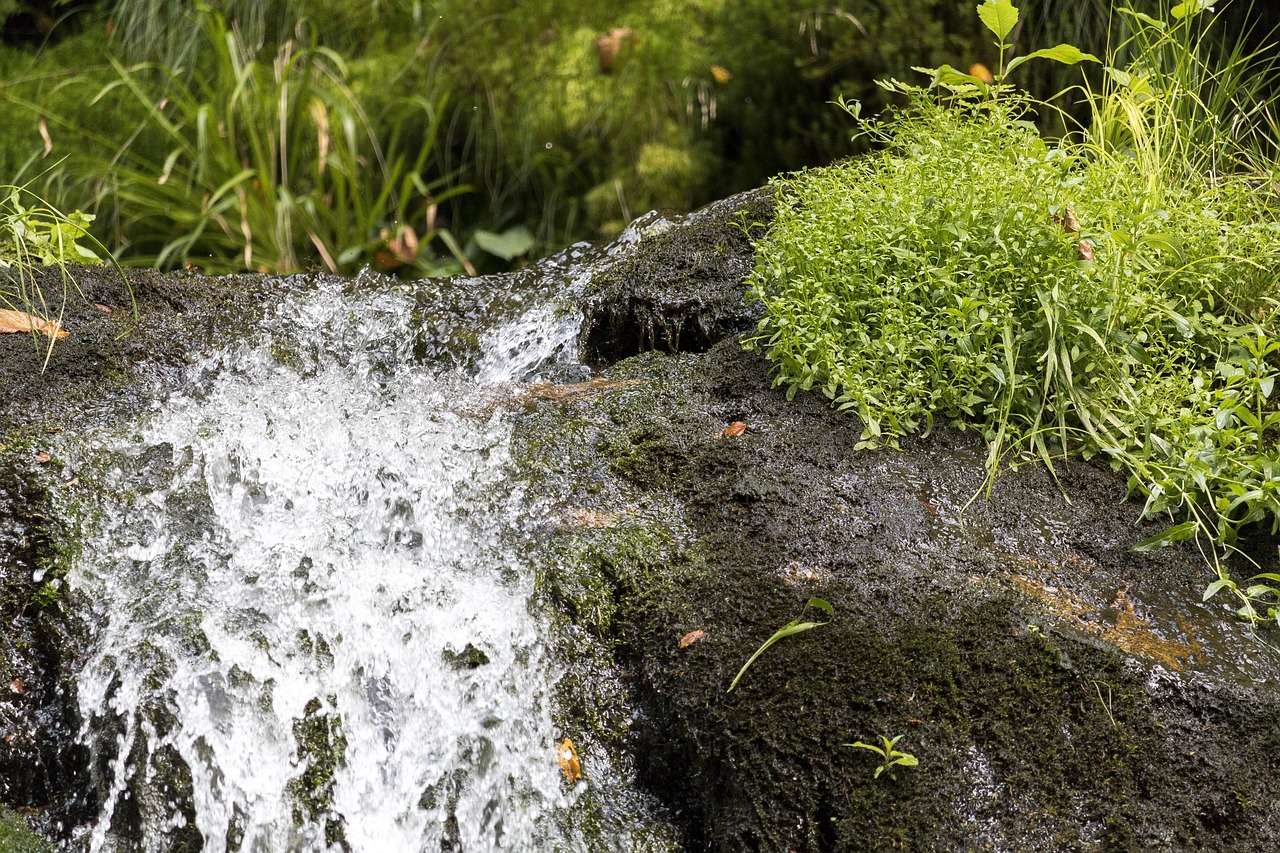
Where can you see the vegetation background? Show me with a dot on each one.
(434, 136)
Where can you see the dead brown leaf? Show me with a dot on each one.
(567, 757)
(42, 457)
(21, 321)
(692, 637)
(734, 429)
(982, 72)
(16, 686)
(43, 126)
(1086, 250)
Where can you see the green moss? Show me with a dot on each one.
(321, 751)
(17, 837)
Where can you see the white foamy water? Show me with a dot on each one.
(299, 570)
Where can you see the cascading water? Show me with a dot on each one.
(312, 633)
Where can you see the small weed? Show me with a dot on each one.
(890, 756)
(795, 626)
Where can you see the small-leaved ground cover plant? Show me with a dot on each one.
(1108, 294)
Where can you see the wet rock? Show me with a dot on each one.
(679, 289)
(469, 658)
(1060, 691)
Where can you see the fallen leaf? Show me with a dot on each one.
(567, 756)
(70, 482)
(692, 637)
(16, 686)
(1086, 250)
(42, 457)
(106, 310)
(21, 321)
(43, 126)
(734, 429)
(721, 74)
(609, 45)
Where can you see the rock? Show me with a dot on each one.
(679, 288)
(1060, 691)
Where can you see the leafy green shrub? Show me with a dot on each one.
(1065, 298)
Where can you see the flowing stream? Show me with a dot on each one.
(312, 631)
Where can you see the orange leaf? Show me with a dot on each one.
(21, 321)
(692, 637)
(982, 72)
(567, 756)
(43, 457)
(16, 686)
(734, 429)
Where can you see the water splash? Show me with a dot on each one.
(311, 633)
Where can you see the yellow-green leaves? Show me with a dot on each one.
(1067, 54)
(1190, 8)
(999, 16)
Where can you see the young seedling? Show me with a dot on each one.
(795, 626)
(890, 756)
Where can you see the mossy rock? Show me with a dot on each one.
(1060, 691)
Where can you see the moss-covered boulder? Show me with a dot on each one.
(1059, 690)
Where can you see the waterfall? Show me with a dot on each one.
(311, 631)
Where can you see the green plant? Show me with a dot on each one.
(890, 757)
(795, 626)
(1070, 297)
(270, 166)
(34, 234)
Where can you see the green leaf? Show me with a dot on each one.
(1190, 8)
(999, 16)
(1065, 53)
(1145, 18)
(795, 626)
(1212, 589)
(508, 245)
(1177, 533)
(860, 745)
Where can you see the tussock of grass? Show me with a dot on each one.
(1072, 297)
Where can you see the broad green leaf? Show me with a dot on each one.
(999, 16)
(1145, 18)
(1177, 533)
(1065, 53)
(508, 245)
(1190, 8)
(945, 75)
(1271, 576)
(1212, 589)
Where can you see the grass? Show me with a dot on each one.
(1111, 294)
(268, 165)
